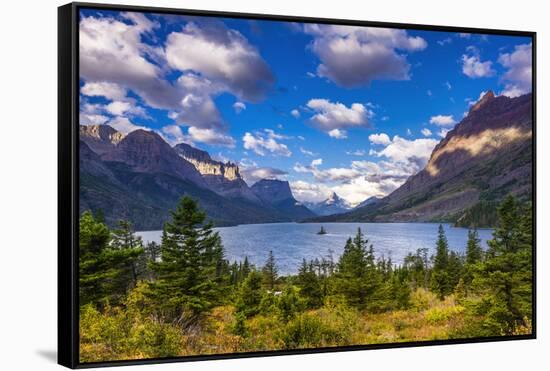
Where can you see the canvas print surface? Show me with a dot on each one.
(258, 185)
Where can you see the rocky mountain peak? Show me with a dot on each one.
(146, 151)
(100, 138)
(487, 97)
(205, 164)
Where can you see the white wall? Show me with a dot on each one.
(28, 182)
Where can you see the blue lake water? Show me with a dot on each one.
(291, 242)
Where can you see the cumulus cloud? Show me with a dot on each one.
(211, 58)
(92, 119)
(442, 120)
(210, 136)
(338, 134)
(334, 117)
(416, 152)
(426, 132)
(239, 106)
(309, 192)
(173, 134)
(222, 54)
(111, 51)
(108, 90)
(518, 77)
(473, 67)
(354, 56)
(262, 143)
(381, 138)
(295, 113)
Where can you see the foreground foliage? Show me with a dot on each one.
(183, 298)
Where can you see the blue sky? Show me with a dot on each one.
(329, 108)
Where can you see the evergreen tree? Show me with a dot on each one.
(190, 275)
(103, 268)
(269, 271)
(289, 303)
(506, 274)
(441, 279)
(250, 295)
(357, 277)
(474, 255)
(474, 252)
(310, 286)
(124, 240)
(416, 268)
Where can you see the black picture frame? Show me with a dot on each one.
(68, 181)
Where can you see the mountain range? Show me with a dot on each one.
(487, 156)
(334, 204)
(140, 177)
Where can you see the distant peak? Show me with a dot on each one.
(487, 97)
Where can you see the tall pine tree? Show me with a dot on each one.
(506, 275)
(190, 274)
(441, 280)
(269, 271)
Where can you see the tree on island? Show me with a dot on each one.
(189, 274)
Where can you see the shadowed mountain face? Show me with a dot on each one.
(139, 177)
(277, 194)
(485, 157)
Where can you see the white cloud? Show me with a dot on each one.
(108, 90)
(261, 144)
(417, 151)
(474, 68)
(338, 134)
(442, 120)
(317, 162)
(174, 135)
(295, 113)
(331, 117)
(518, 76)
(239, 106)
(309, 192)
(92, 119)
(443, 132)
(448, 85)
(221, 54)
(124, 125)
(426, 132)
(381, 138)
(354, 56)
(111, 52)
(306, 152)
(210, 136)
(357, 152)
(445, 41)
(252, 174)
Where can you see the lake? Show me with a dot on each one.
(291, 242)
